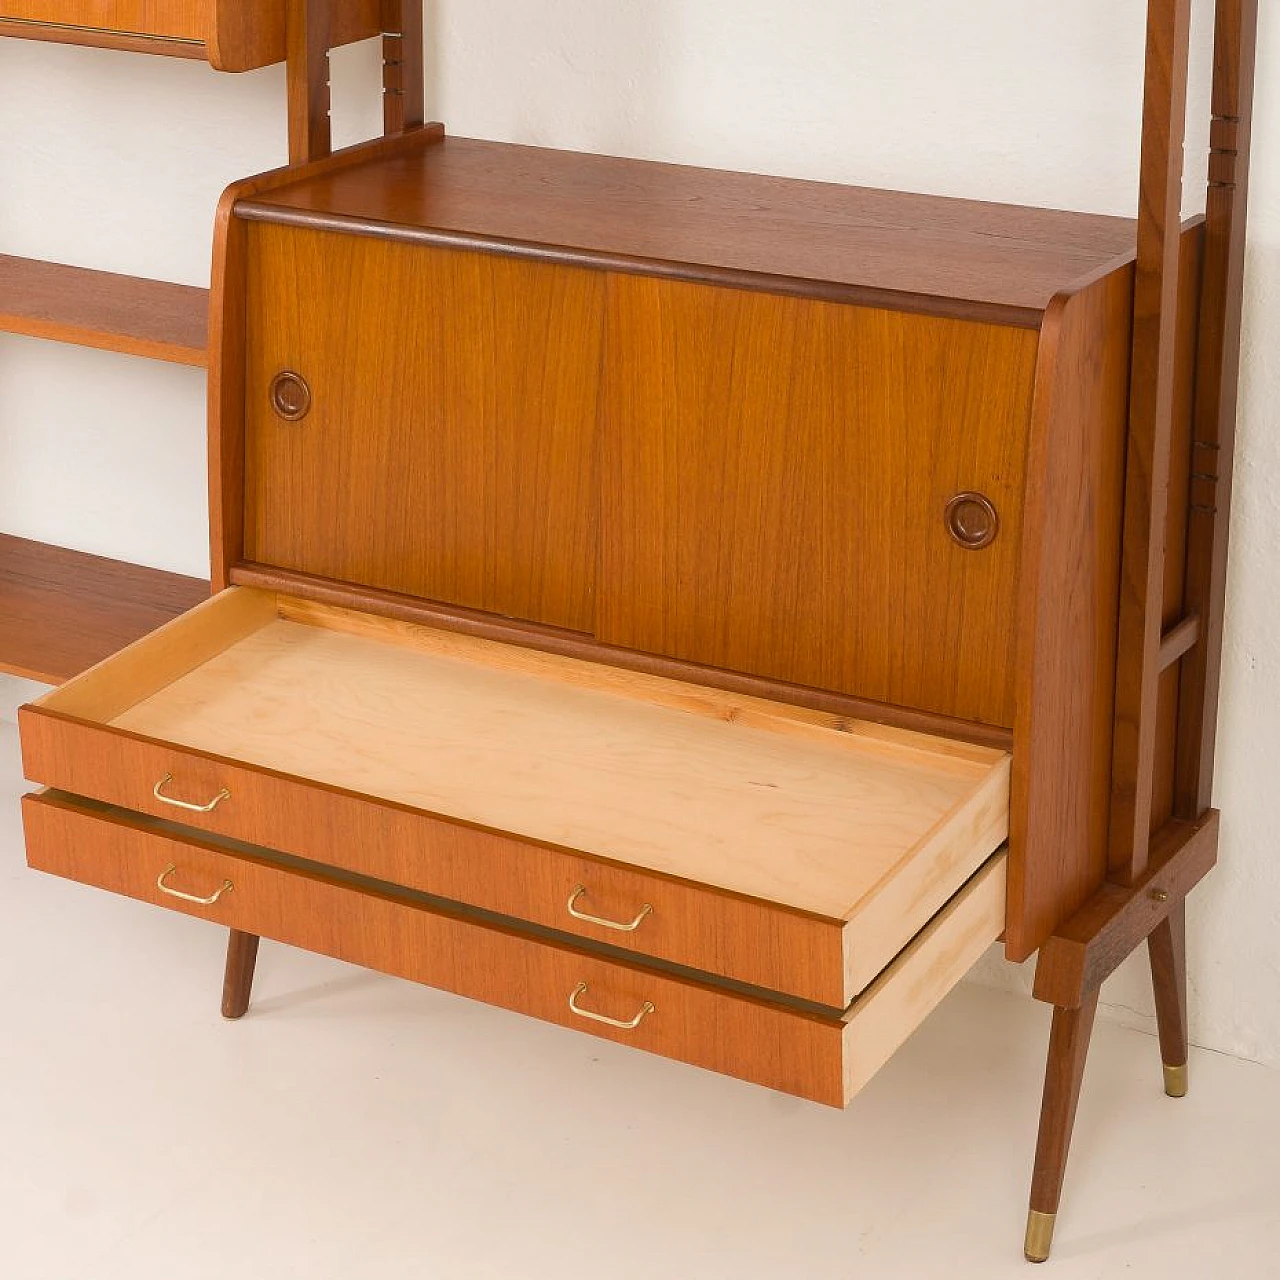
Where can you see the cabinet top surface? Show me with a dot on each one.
(930, 253)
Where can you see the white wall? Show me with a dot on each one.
(116, 160)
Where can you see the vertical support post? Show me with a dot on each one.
(307, 35)
(403, 76)
(1217, 379)
(1155, 317)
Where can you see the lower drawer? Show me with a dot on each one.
(795, 1049)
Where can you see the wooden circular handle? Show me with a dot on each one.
(290, 396)
(972, 521)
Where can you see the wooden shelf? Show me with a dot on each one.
(97, 309)
(62, 611)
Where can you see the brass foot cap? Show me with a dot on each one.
(1039, 1241)
(1175, 1080)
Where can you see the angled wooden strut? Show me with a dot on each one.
(1151, 874)
(308, 34)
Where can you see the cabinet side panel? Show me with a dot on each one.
(449, 450)
(1068, 598)
(247, 35)
(775, 477)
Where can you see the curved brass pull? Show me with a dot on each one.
(189, 897)
(158, 789)
(581, 990)
(600, 920)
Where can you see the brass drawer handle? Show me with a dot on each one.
(158, 790)
(189, 897)
(581, 990)
(600, 920)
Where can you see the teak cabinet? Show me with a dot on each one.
(233, 35)
(700, 609)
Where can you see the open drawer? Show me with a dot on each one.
(824, 1056)
(789, 850)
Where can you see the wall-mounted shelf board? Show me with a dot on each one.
(97, 309)
(233, 35)
(63, 611)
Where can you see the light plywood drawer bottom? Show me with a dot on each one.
(792, 1048)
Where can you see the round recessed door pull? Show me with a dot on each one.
(972, 521)
(290, 396)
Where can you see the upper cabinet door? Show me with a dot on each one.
(423, 420)
(234, 35)
(778, 478)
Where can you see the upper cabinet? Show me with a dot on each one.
(233, 35)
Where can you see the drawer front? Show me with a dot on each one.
(767, 1044)
(796, 461)
(445, 446)
(725, 934)
(174, 19)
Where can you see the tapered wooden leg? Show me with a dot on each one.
(242, 956)
(1167, 947)
(1068, 1048)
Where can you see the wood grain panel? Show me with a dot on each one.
(450, 450)
(508, 778)
(98, 309)
(1067, 611)
(825, 1059)
(879, 248)
(570, 644)
(1068, 600)
(172, 19)
(730, 935)
(227, 353)
(126, 678)
(251, 33)
(235, 35)
(775, 477)
(687, 782)
(782, 1048)
(912, 987)
(63, 611)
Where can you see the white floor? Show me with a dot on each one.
(358, 1128)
